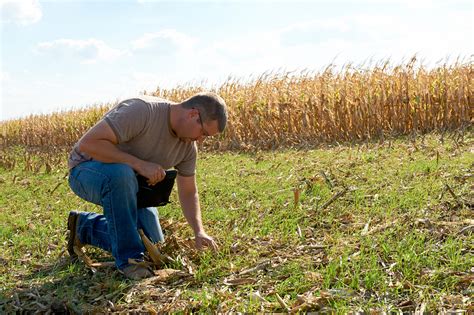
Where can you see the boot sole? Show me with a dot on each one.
(72, 227)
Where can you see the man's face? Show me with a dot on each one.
(195, 129)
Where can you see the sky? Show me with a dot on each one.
(61, 55)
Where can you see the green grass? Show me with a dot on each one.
(396, 239)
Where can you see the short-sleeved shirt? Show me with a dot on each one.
(142, 127)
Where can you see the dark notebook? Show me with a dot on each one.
(157, 195)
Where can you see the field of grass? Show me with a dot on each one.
(362, 227)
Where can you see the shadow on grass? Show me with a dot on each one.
(66, 287)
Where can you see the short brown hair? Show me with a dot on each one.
(211, 107)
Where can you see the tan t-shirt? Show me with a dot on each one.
(142, 127)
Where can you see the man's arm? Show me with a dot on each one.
(100, 143)
(189, 199)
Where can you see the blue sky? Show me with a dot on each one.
(59, 55)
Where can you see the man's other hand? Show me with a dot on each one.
(204, 240)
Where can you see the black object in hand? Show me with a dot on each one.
(157, 195)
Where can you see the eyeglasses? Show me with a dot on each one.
(203, 131)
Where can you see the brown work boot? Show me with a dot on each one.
(73, 239)
(137, 272)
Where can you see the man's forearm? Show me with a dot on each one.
(107, 152)
(192, 211)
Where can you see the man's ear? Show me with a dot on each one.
(193, 112)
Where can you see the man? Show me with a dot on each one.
(144, 136)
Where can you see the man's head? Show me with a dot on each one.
(205, 114)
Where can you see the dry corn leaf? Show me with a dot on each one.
(260, 266)
(165, 275)
(239, 281)
(83, 256)
(296, 193)
(256, 296)
(153, 251)
(151, 310)
(314, 276)
(282, 302)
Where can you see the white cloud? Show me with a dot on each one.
(162, 40)
(22, 12)
(361, 37)
(312, 45)
(88, 51)
(320, 24)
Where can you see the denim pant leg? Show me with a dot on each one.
(114, 187)
(149, 221)
(93, 230)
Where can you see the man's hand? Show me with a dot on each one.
(202, 239)
(154, 172)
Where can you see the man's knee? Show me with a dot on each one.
(123, 176)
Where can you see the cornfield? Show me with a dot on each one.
(299, 109)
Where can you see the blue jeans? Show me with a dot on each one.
(114, 187)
